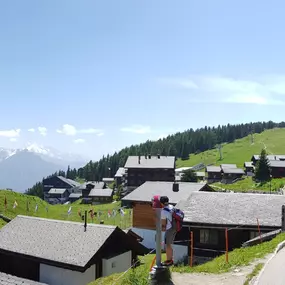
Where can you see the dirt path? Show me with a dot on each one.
(236, 277)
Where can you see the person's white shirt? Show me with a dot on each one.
(168, 216)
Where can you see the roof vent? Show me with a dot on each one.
(158, 156)
(145, 156)
(175, 187)
(139, 159)
(149, 156)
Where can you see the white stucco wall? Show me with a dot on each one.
(119, 263)
(60, 276)
(179, 253)
(148, 237)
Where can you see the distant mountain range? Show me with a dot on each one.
(22, 168)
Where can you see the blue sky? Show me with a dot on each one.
(94, 76)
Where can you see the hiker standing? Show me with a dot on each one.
(169, 228)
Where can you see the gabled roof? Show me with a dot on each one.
(167, 162)
(215, 169)
(120, 172)
(233, 171)
(248, 164)
(55, 241)
(223, 166)
(75, 195)
(181, 169)
(57, 191)
(69, 181)
(7, 279)
(277, 163)
(269, 156)
(101, 192)
(95, 184)
(234, 209)
(146, 191)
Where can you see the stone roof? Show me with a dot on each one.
(248, 164)
(223, 166)
(101, 192)
(120, 172)
(167, 162)
(75, 195)
(7, 279)
(69, 181)
(233, 171)
(213, 169)
(276, 163)
(54, 240)
(95, 184)
(56, 191)
(146, 191)
(233, 209)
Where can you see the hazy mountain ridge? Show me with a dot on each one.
(20, 168)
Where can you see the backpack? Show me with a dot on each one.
(177, 218)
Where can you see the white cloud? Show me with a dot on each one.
(70, 130)
(137, 129)
(266, 90)
(13, 139)
(31, 130)
(10, 133)
(100, 134)
(42, 131)
(79, 141)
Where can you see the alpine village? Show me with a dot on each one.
(96, 224)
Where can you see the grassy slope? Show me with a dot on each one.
(238, 257)
(57, 211)
(241, 150)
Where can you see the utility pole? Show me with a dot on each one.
(159, 275)
(220, 151)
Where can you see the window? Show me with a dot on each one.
(209, 236)
(113, 264)
(253, 234)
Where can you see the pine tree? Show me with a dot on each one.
(262, 170)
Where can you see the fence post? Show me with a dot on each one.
(191, 249)
(227, 245)
(259, 230)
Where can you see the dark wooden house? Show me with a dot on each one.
(249, 168)
(71, 255)
(140, 169)
(101, 195)
(231, 174)
(86, 187)
(208, 215)
(255, 158)
(277, 168)
(214, 174)
(119, 176)
(140, 200)
(58, 182)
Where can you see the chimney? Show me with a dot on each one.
(175, 187)
(145, 156)
(149, 156)
(158, 156)
(139, 159)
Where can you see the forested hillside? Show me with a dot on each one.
(180, 145)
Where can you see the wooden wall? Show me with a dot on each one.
(143, 216)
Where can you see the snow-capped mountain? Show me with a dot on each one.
(22, 168)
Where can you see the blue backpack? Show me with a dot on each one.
(177, 218)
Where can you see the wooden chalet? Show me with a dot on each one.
(207, 215)
(58, 194)
(214, 174)
(140, 169)
(249, 168)
(231, 174)
(63, 252)
(58, 182)
(277, 168)
(140, 200)
(256, 157)
(119, 176)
